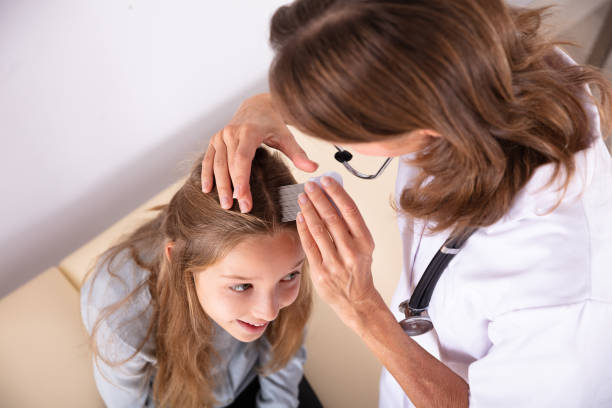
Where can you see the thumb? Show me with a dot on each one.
(296, 154)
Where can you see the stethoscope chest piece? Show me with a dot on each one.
(417, 322)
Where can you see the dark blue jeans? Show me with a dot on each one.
(307, 396)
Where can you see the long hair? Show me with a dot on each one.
(477, 72)
(202, 233)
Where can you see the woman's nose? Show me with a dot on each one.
(267, 307)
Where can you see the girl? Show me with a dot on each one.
(201, 306)
(498, 133)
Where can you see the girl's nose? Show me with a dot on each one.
(267, 307)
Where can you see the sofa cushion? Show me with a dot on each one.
(44, 354)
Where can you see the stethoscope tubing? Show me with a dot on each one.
(415, 309)
(423, 292)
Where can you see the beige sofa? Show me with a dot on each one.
(45, 360)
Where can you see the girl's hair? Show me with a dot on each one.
(202, 233)
(477, 72)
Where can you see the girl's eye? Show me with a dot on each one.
(241, 288)
(291, 276)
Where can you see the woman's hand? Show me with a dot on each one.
(230, 152)
(339, 250)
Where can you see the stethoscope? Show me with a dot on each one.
(417, 320)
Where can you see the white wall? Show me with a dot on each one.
(99, 101)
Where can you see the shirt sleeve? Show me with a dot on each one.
(126, 384)
(281, 388)
(549, 356)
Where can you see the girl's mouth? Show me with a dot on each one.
(253, 328)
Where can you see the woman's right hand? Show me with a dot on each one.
(230, 152)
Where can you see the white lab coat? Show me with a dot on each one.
(524, 312)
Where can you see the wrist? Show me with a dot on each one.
(368, 313)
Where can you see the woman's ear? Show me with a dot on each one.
(169, 247)
(424, 136)
(428, 133)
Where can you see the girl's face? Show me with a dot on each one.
(244, 291)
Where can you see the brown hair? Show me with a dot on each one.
(477, 72)
(202, 233)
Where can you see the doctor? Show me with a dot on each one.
(501, 151)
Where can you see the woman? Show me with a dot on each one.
(204, 307)
(500, 143)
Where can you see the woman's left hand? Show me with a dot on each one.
(339, 250)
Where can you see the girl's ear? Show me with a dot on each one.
(169, 247)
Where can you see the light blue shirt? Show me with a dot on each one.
(118, 337)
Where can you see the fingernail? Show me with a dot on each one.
(243, 206)
(302, 199)
(226, 203)
(300, 217)
(237, 190)
(205, 187)
(326, 181)
(310, 186)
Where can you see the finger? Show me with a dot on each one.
(290, 147)
(207, 169)
(349, 211)
(222, 179)
(230, 138)
(240, 168)
(308, 243)
(318, 231)
(328, 213)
